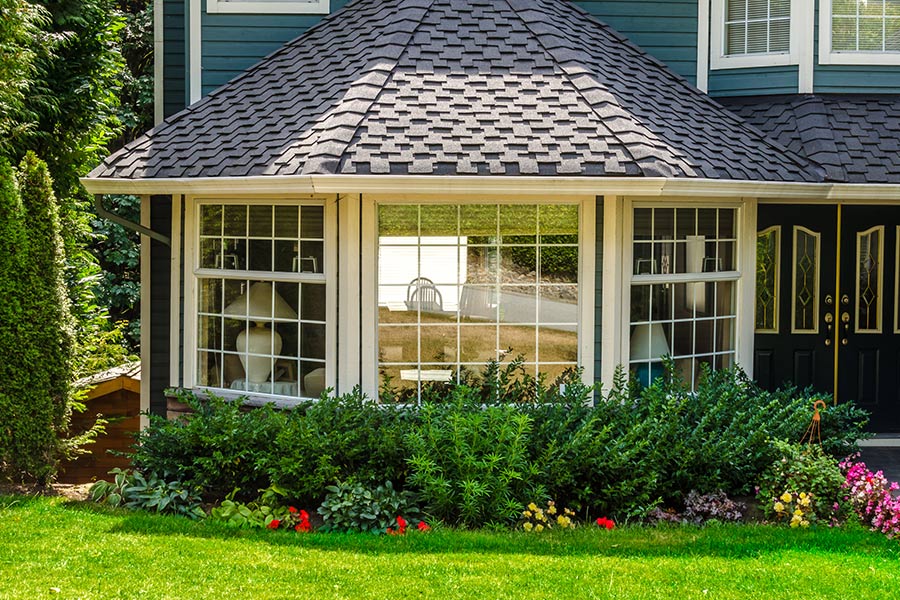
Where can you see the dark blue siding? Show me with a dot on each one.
(160, 305)
(175, 74)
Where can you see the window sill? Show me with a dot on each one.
(320, 7)
(747, 61)
(860, 58)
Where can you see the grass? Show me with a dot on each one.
(86, 551)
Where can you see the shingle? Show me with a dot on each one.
(444, 87)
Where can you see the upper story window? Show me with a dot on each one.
(859, 32)
(316, 7)
(752, 33)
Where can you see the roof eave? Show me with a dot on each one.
(490, 185)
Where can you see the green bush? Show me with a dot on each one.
(802, 468)
(219, 447)
(470, 462)
(352, 506)
(337, 438)
(148, 492)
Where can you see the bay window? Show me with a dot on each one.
(260, 287)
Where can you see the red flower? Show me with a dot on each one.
(302, 526)
(274, 524)
(401, 524)
(292, 509)
(304, 516)
(423, 526)
(604, 522)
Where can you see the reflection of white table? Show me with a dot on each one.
(426, 374)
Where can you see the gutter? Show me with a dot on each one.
(396, 185)
(106, 214)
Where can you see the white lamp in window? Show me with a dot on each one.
(648, 342)
(260, 303)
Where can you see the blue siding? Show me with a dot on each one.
(231, 43)
(667, 29)
(175, 74)
(753, 82)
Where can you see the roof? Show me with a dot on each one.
(126, 376)
(458, 87)
(854, 138)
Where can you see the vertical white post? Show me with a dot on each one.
(348, 286)
(703, 45)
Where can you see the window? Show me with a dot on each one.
(268, 6)
(860, 32)
(261, 298)
(461, 285)
(683, 290)
(752, 33)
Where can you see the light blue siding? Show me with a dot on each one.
(667, 29)
(753, 82)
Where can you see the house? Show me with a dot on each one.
(413, 187)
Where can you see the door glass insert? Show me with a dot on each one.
(767, 267)
(869, 280)
(805, 309)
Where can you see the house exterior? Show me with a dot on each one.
(413, 187)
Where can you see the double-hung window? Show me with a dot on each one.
(683, 289)
(752, 33)
(859, 31)
(260, 287)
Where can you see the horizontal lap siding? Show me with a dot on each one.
(666, 29)
(757, 81)
(231, 43)
(174, 61)
(857, 79)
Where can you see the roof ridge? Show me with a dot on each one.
(362, 117)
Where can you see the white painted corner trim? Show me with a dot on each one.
(498, 186)
(195, 49)
(703, 45)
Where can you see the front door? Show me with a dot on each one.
(827, 312)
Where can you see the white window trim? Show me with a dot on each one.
(744, 275)
(587, 248)
(828, 57)
(192, 272)
(718, 60)
(317, 7)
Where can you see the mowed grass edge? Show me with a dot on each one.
(50, 548)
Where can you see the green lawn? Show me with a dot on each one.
(92, 552)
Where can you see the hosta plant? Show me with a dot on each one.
(353, 506)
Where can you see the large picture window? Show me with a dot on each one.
(460, 285)
(683, 290)
(261, 298)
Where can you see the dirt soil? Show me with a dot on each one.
(67, 490)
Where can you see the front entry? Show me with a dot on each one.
(827, 310)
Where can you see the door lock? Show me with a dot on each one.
(829, 300)
(845, 300)
(845, 319)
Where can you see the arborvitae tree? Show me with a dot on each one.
(35, 326)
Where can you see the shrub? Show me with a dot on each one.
(218, 448)
(843, 425)
(148, 492)
(806, 469)
(335, 439)
(470, 462)
(352, 506)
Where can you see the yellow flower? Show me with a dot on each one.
(569, 512)
(795, 523)
(527, 526)
(551, 509)
(798, 513)
(539, 528)
(786, 497)
(802, 495)
(804, 523)
(527, 513)
(562, 521)
(532, 507)
(779, 507)
(804, 502)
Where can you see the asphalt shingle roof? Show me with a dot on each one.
(458, 87)
(856, 139)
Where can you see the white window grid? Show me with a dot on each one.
(716, 322)
(496, 287)
(246, 277)
(888, 21)
(748, 22)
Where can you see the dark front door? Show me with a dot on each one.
(826, 306)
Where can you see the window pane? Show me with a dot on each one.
(780, 36)
(235, 217)
(211, 219)
(780, 8)
(868, 275)
(871, 35)
(439, 221)
(806, 281)
(892, 35)
(736, 10)
(757, 9)
(312, 222)
(286, 221)
(767, 273)
(843, 34)
(260, 221)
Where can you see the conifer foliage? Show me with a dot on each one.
(35, 325)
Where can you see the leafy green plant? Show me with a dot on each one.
(269, 508)
(806, 469)
(352, 506)
(470, 462)
(337, 438)
(148, 492)
(218, 448)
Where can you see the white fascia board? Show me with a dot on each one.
(496, 186)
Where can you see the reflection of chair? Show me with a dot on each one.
(421, 294)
